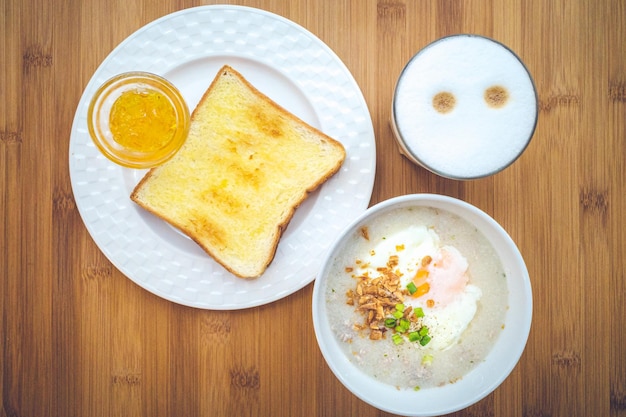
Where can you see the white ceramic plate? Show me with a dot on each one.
(295, 69)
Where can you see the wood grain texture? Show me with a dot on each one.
(77, 338)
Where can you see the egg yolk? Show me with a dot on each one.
(446, 278)
(142, 120)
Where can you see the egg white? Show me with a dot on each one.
(454, 301)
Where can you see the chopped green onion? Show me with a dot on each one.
(402, 325)
(400, 307)
(397, 339)
(397, 314)
(423, 331)
(425, 340)
(419, 312)
(389, 322)
(414, 336)
(411, 287)
(427, 359)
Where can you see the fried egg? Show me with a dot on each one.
(439, 274)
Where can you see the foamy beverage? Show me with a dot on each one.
(464, 107)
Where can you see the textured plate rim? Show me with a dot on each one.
(367, 168)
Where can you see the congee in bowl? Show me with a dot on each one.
(423, 305)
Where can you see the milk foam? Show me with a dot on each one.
(473, 139)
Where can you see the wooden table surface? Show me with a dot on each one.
(78, 338)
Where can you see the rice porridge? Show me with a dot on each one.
(417, 297)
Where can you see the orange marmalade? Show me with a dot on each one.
(142, 120)
(138, 119)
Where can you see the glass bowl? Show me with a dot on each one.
(138, 119)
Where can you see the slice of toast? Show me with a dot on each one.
(235, 184)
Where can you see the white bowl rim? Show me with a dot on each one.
(475, 385)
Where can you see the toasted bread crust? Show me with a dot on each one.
(243, 151)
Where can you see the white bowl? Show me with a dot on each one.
(481, 380)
